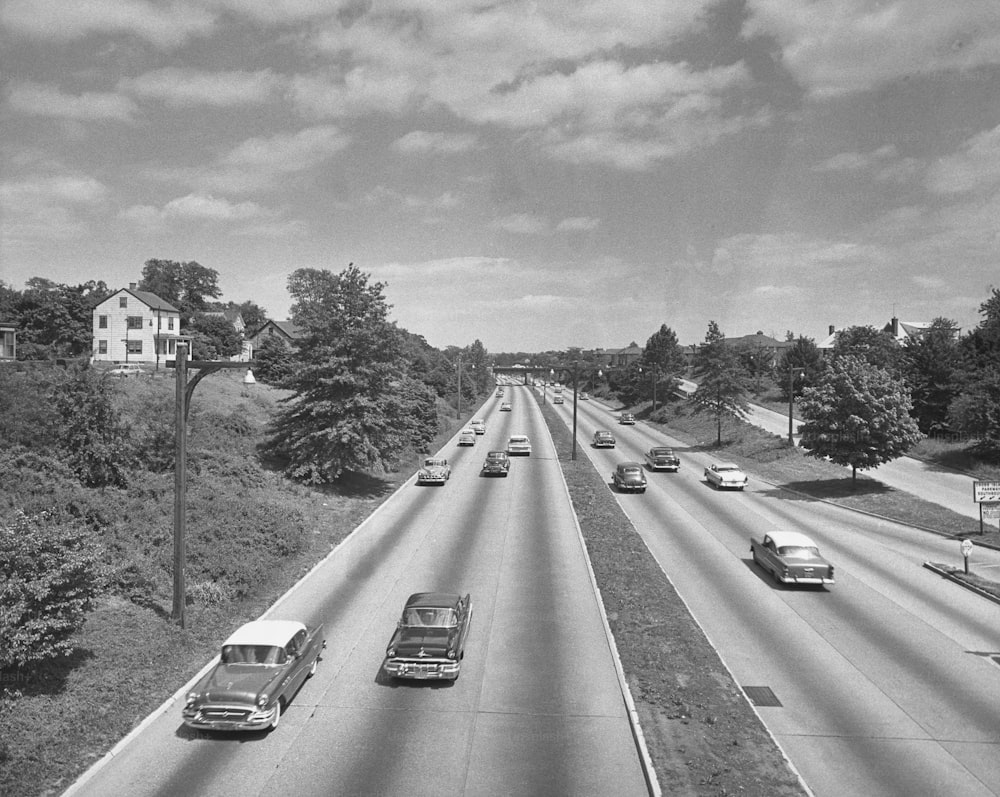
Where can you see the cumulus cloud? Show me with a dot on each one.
(420, 141)
(578, 224)
(33, 99)
(189, 87)
(975, 166)
(522, 224)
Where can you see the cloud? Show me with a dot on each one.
(48, 207)
(197, 207)
(190, 87)
(33, 99)
(974, 167)
(163, 24)
(522, 224)
(838, 47)
(578, 224)
(420, 141)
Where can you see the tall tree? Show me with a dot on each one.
(875, 346)
(721, 379)
(929, 364)
(187, 286)
(858, 415)
(56, 320)
(976, 411)
(254, 316)
(803, 362)
(355, 406)
(213, 337)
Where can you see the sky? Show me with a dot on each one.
(535, 175)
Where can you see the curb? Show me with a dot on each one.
(964, 584)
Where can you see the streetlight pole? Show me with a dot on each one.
(183, 392)
(459, 385)
(791, 406)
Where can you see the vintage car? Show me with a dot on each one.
(558, 399)
(467, 437)
(505, 406)
(435, 470)
(261, 667)
(627, 418)
(792, 558)
(125, 370)
(584, 397)
(518, 444)
(725, 475)
(629, 477)
(429, 641)
(478, 426)
(604, 439)
(497, 464)
(662, 458)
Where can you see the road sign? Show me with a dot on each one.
(966, 547)
(990, 511)
(985, 492)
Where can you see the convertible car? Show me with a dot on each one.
(429, 641)
(662, 458)
(791, 558)
(726, 475)
(261, 667)
(435, 470)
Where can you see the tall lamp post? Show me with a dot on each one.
(791, 398)
(184, 389)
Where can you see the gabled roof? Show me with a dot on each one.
(757, 341)
(287, 328)
(153, 301)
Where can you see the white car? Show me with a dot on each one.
(726, 475)
(478, 426)
(126, 370)
(518, 444)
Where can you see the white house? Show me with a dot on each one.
(136, 326)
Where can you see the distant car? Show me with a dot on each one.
(629, 477)
(558, 399)
(435, 470)
(429, 641)
(126, 370)
(499, 392)
(604, 439)
(519, 444)
(497, 464)
(261, 667)
(584, 397)
(662, 458)
(505, 406)
(478, 426)
(791, 558)
(726, 475)
(467, 437)
(626, 418)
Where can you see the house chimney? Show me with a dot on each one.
(895, 327)
(832, 329)
(131, 286)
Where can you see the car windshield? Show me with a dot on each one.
(253, 654)
(798, 552)
(494, 455)
(662, 452)
(630, 471)
(727, 468)
(430, 618)
(434, 463)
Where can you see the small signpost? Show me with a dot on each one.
(966, 550)
(987, 495)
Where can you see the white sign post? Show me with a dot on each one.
(966, 550)
(987, 495)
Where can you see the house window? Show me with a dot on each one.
(102, 347)
(135, 347)
(102, 322)
(123, 302)
(170, 323)
(135, 322)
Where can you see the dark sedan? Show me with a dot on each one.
(429, 641)
(662, 458)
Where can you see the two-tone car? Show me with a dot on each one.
(604, 439)
(584, 397)
(504, 406)
(429, 640)
(662, 458)
(478, 425)
(629, 477)
(435, 470)
(519, 445)
(261, 667)
(497, 464)
(791, 558)
(467, 437)
(626, 419)
(726, 476)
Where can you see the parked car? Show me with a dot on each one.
(505, 406)
(604, 439)
(467, 437)
(126, 370)
(261, 667)
(627, 418)
(629, 477)
(791, 558)
(497, 464)
(435, 470)
(558, 399)
(662, 458)
(519, 444)
(478, 426)
(429, 641)
(726, 475)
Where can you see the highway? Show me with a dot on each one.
(886, 683)
(538, 708)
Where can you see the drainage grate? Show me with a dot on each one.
(762, 696)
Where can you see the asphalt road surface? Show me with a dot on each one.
(886, 683)
(538, 708)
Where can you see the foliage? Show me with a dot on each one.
(354, 407)
(213, 337)
(804, 355)
(858, 415)
(187, 286)
(26, 417)
(875, 346)
(976, 411)
(930, 364)
(663, 357)
(48, 578)
(254, 316)
(721, 380)
(55, 320)
(276, 361)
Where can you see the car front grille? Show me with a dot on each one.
(226, 713)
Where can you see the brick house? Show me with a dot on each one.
(136, 326)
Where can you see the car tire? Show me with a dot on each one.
(277, 715)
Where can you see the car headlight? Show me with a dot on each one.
(262, 700)
(390, 652)
(192, 697)
(451, 654)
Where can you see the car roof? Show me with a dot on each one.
(726, 465)
(519, 437)
(496, 453)
(433, 600)
(602, 431)
(622, 465)
(435, 461)
(660, 449)
(265, 632)
(782, 538)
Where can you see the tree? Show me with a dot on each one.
(213, 337)
(187, 286)
(929, 364)
(976, 411)
(48, 578)
(275, 361)
(876, 346)
(254, 316)
(804, 362)
(355, 406)
(721, 379)
(664, 358)
(56, 320)
(858, 415)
